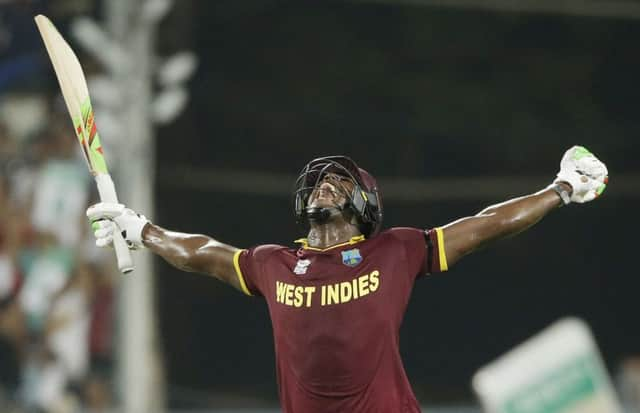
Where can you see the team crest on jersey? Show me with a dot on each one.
(301, 267)
(351, 257)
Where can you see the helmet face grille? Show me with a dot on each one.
(364, 201)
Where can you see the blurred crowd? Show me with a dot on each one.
(56, 288)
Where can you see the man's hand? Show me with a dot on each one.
(106, 218)
(586, 174)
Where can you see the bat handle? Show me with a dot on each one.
(123, 255)
(107, 192)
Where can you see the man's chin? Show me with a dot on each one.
(321, 205)
(324, 204)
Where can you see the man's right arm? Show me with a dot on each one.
(193, 253)
(188, 252)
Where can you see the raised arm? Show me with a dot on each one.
(193, 252)
(582, 178)
(498, 221)
(188, 252)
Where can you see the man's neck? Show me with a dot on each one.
(331, 233)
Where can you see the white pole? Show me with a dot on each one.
(139, 374)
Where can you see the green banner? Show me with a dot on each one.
(557, 391)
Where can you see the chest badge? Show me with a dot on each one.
(351, 257)
(301, 267)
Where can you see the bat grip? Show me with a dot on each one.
(107, 192)
(123, 255)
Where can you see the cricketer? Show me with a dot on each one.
(337, 300)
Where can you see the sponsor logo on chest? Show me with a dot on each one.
(301, 267)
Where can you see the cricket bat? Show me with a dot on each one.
(76, 96)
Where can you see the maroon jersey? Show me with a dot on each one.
(336, 315)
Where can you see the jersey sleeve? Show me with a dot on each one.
(250, 264)
(436, 259)
(424, 249)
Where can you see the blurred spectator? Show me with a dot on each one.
(19, 43)
(629, 384)
(67, 329)
(8, 146)
(62, 188)
(12, 333)
(10, 329)
(102, 319)
(55, 310)
(55, 321)
(46, 274)
(98, 392)
(98, 396)
(69, 362)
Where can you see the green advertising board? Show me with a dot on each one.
(557, 371)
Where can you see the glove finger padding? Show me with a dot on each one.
(591, 167)
(590, 196)
(105, 242)
(103, 231)
(104, 210)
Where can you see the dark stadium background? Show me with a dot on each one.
(408, 92)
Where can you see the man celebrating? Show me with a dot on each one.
(337, 301)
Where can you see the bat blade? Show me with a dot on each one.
(75, 92)
(73, 86)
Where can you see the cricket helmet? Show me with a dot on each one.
(365, 201)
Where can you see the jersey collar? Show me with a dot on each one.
(353, 240)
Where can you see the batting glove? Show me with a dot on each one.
(107, 217)
(587, 175)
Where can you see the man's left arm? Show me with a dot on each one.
(582, 178)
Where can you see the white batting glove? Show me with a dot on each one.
(107, 217)
(587, 175)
